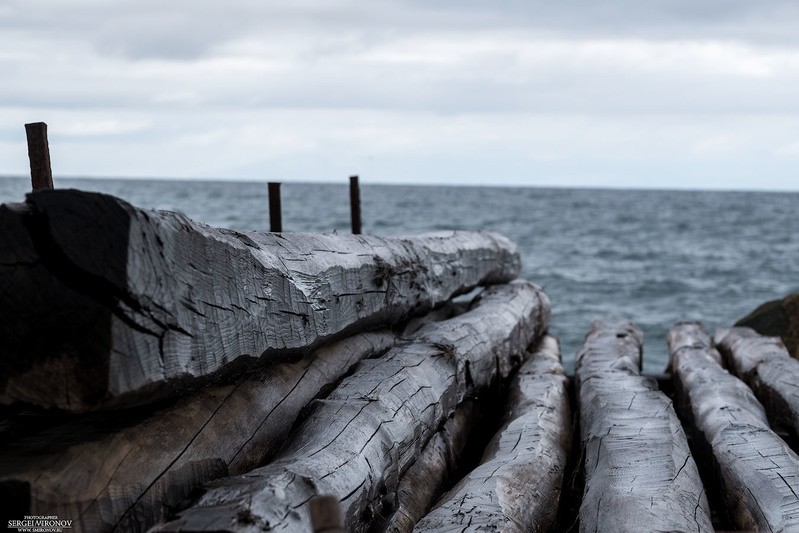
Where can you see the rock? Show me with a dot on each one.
(777, 318)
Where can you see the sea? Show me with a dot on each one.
(656, 257)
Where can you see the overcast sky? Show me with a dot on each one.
(623, 93)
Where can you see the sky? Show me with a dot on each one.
(619, 93)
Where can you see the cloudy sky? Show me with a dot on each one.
(622, 93)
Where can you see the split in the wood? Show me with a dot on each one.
(105, 304)
(753, 469)
(517, 486)
(424, 481)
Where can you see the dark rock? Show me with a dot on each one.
(777, 318)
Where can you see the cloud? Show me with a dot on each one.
(790, 150)
(451, 73)
(184, 29)
(585, 91)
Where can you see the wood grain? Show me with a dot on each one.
(123, 472)
(639, 472)
(105, 304)
(422, 483)
(359, 441)
(754, 470)
(767, 367)
(518, 483)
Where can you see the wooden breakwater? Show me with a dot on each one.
(162, 374)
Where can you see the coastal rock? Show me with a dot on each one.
(777, 318)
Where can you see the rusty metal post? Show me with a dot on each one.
(275, 216)
(39, 155)
(355, 205)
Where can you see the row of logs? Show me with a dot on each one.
(404, 399)
(640, 472)
(389, 439)
(211, 380)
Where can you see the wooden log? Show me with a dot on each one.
(756, 472)
(127, 472)
(142, 303)
(359, 440)
(765, 365)
(518, 483)
(423, 482)
(639, 472)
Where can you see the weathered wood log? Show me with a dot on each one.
(423, 481)
(517, 485)
(121, 472)
(765, 365)
(639, 472)
(105, 304)
(359, 440)
(756, 472)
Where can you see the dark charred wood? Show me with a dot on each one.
(517, 486)
(639, 472)
(359, 441)
(754, 470)
(105, 304)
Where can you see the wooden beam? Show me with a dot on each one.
(126, 471)
(765, 365)
(518, 482)
(754, 470)
(39, 156)
(154, 301)
(359, 440)
(639, 472)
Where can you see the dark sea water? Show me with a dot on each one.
(654, 256)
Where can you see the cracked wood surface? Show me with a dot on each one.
(757, 472)
(357, 442)
(422, 482)
(517, 485)
(105, 304)
(767, 367)
(126, 479)
(639, 472)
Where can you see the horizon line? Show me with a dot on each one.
(413, 183)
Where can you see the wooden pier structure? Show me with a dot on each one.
(162, 375)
